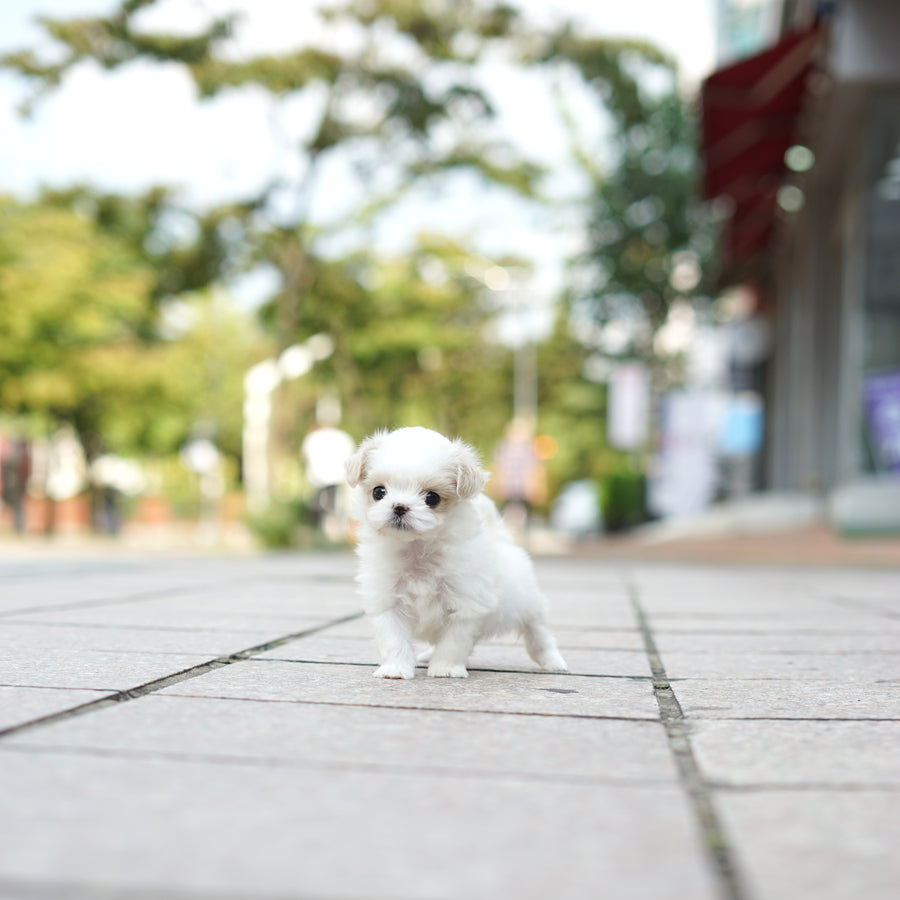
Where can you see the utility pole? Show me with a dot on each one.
(260, 382)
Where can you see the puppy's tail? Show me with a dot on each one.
(490, 517)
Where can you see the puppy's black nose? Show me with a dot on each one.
(400, 509)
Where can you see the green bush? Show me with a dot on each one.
(282, 524)
(622, 499)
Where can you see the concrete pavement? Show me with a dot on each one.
(209, 728)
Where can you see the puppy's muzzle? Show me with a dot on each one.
(400, 510)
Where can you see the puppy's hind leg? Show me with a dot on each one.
(541, 645)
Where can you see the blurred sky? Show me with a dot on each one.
(142, 125)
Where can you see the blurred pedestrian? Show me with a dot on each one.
(15, 468)
(519, 478)
(114, 478)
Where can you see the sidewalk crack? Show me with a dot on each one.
(699, 792)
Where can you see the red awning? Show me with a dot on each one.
(749, 119)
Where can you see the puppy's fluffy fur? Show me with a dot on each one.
(436, 562)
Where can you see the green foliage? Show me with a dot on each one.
(651, 241)
(285, 524)
(409, 340)
(80, 338)
(573, 411)
(647, 212)
(399, 104)
(614, 69)
(403, 107)
(622, 500)
(71, 299)
(378, 110)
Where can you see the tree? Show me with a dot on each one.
(71, 302)
(397, 108)
(410, 340)
(82, 341)
(401, 108)
(403, 104)
(651, 241)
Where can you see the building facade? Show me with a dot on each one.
(802, 139)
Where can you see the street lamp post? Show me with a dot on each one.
(260, 382)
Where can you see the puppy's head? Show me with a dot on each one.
(411, 480)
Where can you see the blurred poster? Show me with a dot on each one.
(881, 396)
(685, 473)
(742, 428)
(629, 402)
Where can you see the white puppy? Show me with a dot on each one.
(436, 562)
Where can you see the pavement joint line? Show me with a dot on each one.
(110, 601)
(166, 681)
(429, 709)
(35, 573)
(115, 626)
(52, 890)
(89, 604)
(282, 762)
(508, 671)
(133, 598)
(699, 792)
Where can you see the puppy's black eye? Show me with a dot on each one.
(432, 499)
(378, 493)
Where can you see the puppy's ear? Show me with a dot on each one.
(355, 467)
(470, 477)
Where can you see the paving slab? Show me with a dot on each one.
(153, 614)
(538, 693)
(107, 822)
(730, 602)
(19, 635)
(23, 704)
(708, 587)
(96, 669)
(713, 641)
(297, 774)
(791, 754)
(70, 590)
(872, 667)
(821, 845)
(820, 699)
(360, 737)
(574, 612)
(91, 669)
(820, 625)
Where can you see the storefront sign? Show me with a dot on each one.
(881, 393)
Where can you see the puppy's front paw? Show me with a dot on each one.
(447, 671)
(394, 670)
